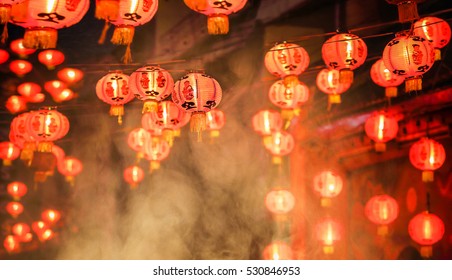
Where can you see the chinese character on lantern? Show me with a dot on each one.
(435, 30)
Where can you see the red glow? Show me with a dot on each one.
(278, 250)
(14, 209)
(38, 227)
(17, 46)
(133, 175)
(4, 56)
(328, 184)
(8, 152)
(265, 122)
(54, 87)
(382, 209)
(51, 58)
(50, 216)
(16, 189)
(70, 75)
(29, 89)
(70, 166)
(11, 243)
(16, 104)
(20, 67)
(20, 230)
(426, 229)
(279, 201)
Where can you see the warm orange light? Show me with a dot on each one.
(70, 75)
(38, 227)
(20, 67)
(133, 175)
(427, 155)
(50, 216)
(279, 201)
(16, 189)
(11, 243)
(277, 250)
(20, 229)
(14, 209)
(17, 46)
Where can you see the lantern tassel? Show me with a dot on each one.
(154, 165)
(103, 35)
(437, 54)
(217, 24)
(127, 58)
(426, 252)
(4, 33)
(123, 35)
(5, 12)
(45, 147)
(198, 124)
(7, 162)
(168, 135)
(40, 38)
(117, 110)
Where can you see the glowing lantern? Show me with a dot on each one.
(266, 122)
(382, 210)
(426, 229)
(70, 76)
(407, 9)
(50, 216)
(28, 90)
(287, 61)
(151, 84)
(279, 201)
(197, 93)
(22, 231)
(20, 133)
(327, 184)
(328, 232)
(51, 58)
(107, 9)
(54, 87)
(17, 46)
(4, 56)
(435, 30)
(113, 89)
(11, 243)
(8, 152)
(381, 75)
(217, 13)
(44, 17)
(289, 99)
(215, 120)
(280, 144)
(70, 167)
(14, 209)
(381, 128)
(39, 227)
(344, 52)
(37, 98)
(17, 190)
(410, 57)
(16, 104)
(137, 139)
(328, 82)
(64, 95)
(20, 67)
(46, 235)
(277, 250)
(427, 155)
(133, 175)
(155, 151)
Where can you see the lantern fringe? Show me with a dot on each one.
(380, 147)
(428, 176)
(413, 84)
(117, 110)
(287, 114)
(27, 152)
(45, 147)
(217, 24)
(127, 58)
(328, 250)
(334, 99)
(4, 36)
(198, 124)
(40, 38)
(407, 11)
(150, 106)
(426, 251)
(7, 162)
(291, 81)
(103, 34)
(382, 230)
(437, 54)
(123, 35)
(107, 9)
(391, 92)
(5, 12)
(346, 76)
(168, 135)
(154, 165)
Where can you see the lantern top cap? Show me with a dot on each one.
(49, 108)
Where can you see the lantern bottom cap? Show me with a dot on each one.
(214, 133)
(168, 135)
(391, 92)
(413, 84)
(346, 76)
(328, 250)
(325, 202)
(382, 230)
(291, 81)
(217, 24)
(428, 176)
(154, 165)
(437, 54)
(334, 99)
(150, 106)
(426, 251)
(40, 38)
(380, 147)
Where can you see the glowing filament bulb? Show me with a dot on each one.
(71, 73)
(10, 150)
(21, 65)
(49, 56)
(330, 79)
(381, 126)
(135, 174)
(425, 29)
(165, 115)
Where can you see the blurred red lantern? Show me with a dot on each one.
(381, 75)
(20, 67)
(46, 235)
(151, 84)
(133, 175)
(280, 144)
(28, 89)
(64, 95)
(215, 120)
(327, 184)
(426, 229)
(8, 152)
(42, 33)
(197, 93)
(107, 9)
(137, 139)
(344, 52)
(39, 227)
(328, 232)
(155, 151)
(5, 10)
(410, 57)
(11, 244)
(407, 9)
(37, 98)
(54, 87)
(21, 230)
(70, 76)
(70, 167)
(17, 46)
(277, 250)
(50, 216)
(17, 190)
(435, 30)
(21, 136)
(4, 56)
(16, 104)
(427, 155)
(266, 122)
(51, 58)
(289, 99)
(382, 210)
(328, 82)
(381, 128)
(14, 209)
(287, 61)
(113, 89)
(59, 154)
(279, 201)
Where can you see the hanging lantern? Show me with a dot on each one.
(4, 56)
(29, 89)
(266, 122)
(17, 46)
(382, 210)
(16, 104)
(20, 67)
(215, 120)
(426, 229)
(11, 244)
(44, 17)
(155, 151)
(51, 58)
(17, 190)
(14, 209)
(287, 61)
(107, 9)
(151, 84)
(328, 82)
(344, 52)
(50, 216)
(381, 76)
(381, 128)
(280, 144)
(70, 76)
(328, 232)
(407, 9)
(46, 235)
(113, 89)
(22, 231)
(58, 153)
(327, 184)
(64, 95)
(54, 87)
(435, 30)
(70, 167)
(278, 250)
(137, 139)
(410, 57)
(427, 155)
(289, 99)
(133, 175)
(39, 227)
(18, 128)
(279, 201)
(197, 93)
(8, 152)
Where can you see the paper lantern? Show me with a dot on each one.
(59, 153)
(5, 9)
(327, 184)
(381, 76)
(197, 93)
(277, 250)
(344, 52)
(11, 244)
(289, 99)
(22, 231)
(64, 95)
(136, 140)
(435, 30)
(14, 208)
(328, 81)
(266, 122)
(287, 61)
(28, 89)
(39, 227)
(217, 13)
(70, 167)
(426, 229)
(50, 216)
(8, 152)
(328, 232)
(107, 9)
(17, 46)
(407, 9)
(133, 175)
(20, 67)
(18, 129)
(43, 17)
(17, 190)
(382, 210)
(51, 58)
(70, 76)
(46, 235)
(4, 56)
(156, 151)
(279, 144)
(427, 155)
(16, 104)
(113, 89)
(151, 84)
(215, 120)
(381, 128)
(410, 57)
(279, 201)
(54, 87)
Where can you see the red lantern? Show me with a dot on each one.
(50, 216)
(39, 227)
(5, 10)
(381, 128)
(70, 167)
(17, 190)
(344, 52)
(215, 120)
(217, 13)
(46, 235)
(113, 89)
(410, 57)
(20, 67)
(4, 56)
(407, 9)
(8, 152)
(327, 184)
(133, 175)
(266, 122)
(70, 76)
(287, 61)
(17, 46)
(426, 229)
(64, 95)
(197, 93)
(289, 99)
(28, 90)
(328, 81)
(328, 232)
(151, 84)
(279, 144)
(435, 30)
(11, 244)
(137, 139)
(14, 209)
(279, 201)
(427, 155)
(20, 133)
(155, 151)
(54, 87)
(51, 58)
(42, 33)
(277, 250)
(381, 75)
(382, 210)
(22, 231)
(16, 104)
